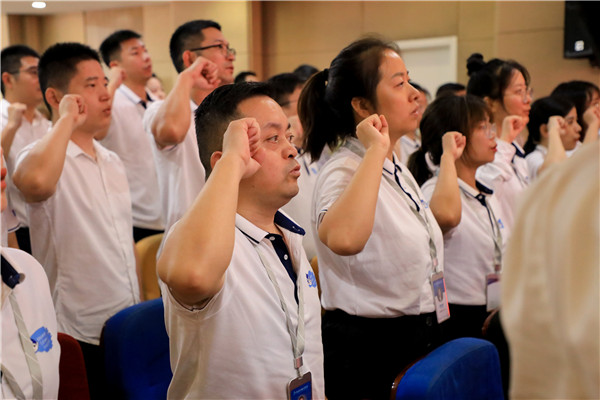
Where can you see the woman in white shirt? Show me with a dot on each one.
(468, 216)
(504, 86)
(378, 243)
(553, 130)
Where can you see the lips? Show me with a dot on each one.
(295, 171)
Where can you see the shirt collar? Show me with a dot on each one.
(11, 276)
(519, 150)
(134, 98)
(73, 150)
(256, 234)
(481, 188)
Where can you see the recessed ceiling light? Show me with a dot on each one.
(38, 4)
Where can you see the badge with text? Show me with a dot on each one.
(442, 310)
(300, 388)
(493, 291)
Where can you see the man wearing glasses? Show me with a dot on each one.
(202, 56)
(21, 122)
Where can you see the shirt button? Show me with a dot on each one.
(272, 238)
(285, 256)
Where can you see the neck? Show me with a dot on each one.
(262, 217)
(85, 141)
(138, 88)
(466, 172)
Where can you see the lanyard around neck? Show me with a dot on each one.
(495, 227)
(408, 198)
(296, 337)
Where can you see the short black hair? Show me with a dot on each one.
(187, 36)
(217, 110)
(59, 62)
(241, 77)
(449, 88)
(110, 49)
(10, 59)
(305, 71)
(283, 86)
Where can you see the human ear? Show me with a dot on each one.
(362, 107)
(113, 63)
(7, 79)
(214, 157)
(188, 58)
(492, 104)
(53, 97)
(544, 130)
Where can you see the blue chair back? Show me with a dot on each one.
(465, 368)
(136, 349)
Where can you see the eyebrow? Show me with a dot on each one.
(275, 125)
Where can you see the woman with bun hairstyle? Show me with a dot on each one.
(553, 130)
(379, 244)
(473, 242)
(504, 86)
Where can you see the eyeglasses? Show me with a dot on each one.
(524, 93)
(489, 129)
(225, 50)
(31, 71)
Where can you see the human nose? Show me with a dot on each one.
(290, 150)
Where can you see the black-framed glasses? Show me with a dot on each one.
(225, 50)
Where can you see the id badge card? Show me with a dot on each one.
(442, 310)
(300, 388)
(493, 291)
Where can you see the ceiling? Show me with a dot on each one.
(56, 7)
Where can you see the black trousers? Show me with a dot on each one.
(140, 233)
(23, 239)
(363, 356)
(93, 356)
(465, 321)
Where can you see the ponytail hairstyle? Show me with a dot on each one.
(325, 108)
(491, 79)
(444, 114)
(541, 111)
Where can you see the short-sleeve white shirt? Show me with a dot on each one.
(507, 176)
(35, 303)
(27, 133)
(126, 137)
(238, 345)
(180, 172)
(535, 159)
(82, 235)
(469, 247)
(390, 277)
(405, 146)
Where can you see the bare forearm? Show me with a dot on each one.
(445, 201)
(8, 135)
(172, 119)
(348, 223)
(556, 151)
(37, 175)
(199, 248)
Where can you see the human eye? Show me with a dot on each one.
(273, 139)
(290, 137)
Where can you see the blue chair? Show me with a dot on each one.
(136, 349)
(465, 368)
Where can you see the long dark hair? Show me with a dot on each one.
(325, 108)
(444, 114)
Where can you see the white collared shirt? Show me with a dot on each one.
(238, 345)
(390, 277)
(27, 133)
(82, 235)
(180, 173)
(405, 146)
(127, 138)
(35, 303)
(507, 176)
(468, 247)
(535, 159)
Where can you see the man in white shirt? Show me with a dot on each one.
(204, 60)
(125, 52)
(21, 122)
(241, 303)
(79, 204)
